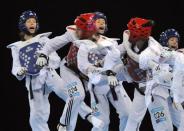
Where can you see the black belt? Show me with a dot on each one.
(77, 71)
(31, 89)
(114, 95)
(136, 85)
(96, 99)
(82, 77)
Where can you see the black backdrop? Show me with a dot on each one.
(54, 16)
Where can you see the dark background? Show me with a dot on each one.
(54, 16)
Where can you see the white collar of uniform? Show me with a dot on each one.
(14, 44)
(105, 41)
(86, 42)
(36, 38)
(21, 44)
(46, 34)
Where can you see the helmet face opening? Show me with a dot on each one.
(100, 17)
(31, 25)
(173, 43)
(167, 34)
(101, 26)
(140, 29)
(26, 15)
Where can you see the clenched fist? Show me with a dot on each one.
(22, 71)
(42, 60)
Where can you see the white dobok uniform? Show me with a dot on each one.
(94, 59)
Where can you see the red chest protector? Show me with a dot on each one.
(71, 60)
(71, 57)
(137, 74)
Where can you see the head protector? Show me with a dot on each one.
(140, 29)
(86, 23)
(100, 15)
(164, 36)
(25, 16)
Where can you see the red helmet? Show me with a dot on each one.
(140, 29)
(85, 22)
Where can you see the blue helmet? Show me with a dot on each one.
(24, 16)
(100, 15)
(164, 36)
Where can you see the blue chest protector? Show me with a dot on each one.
(27, 57)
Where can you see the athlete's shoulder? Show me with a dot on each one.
(14, 44)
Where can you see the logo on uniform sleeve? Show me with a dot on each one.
(159, 114)
(72, 89)
(27, 57)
